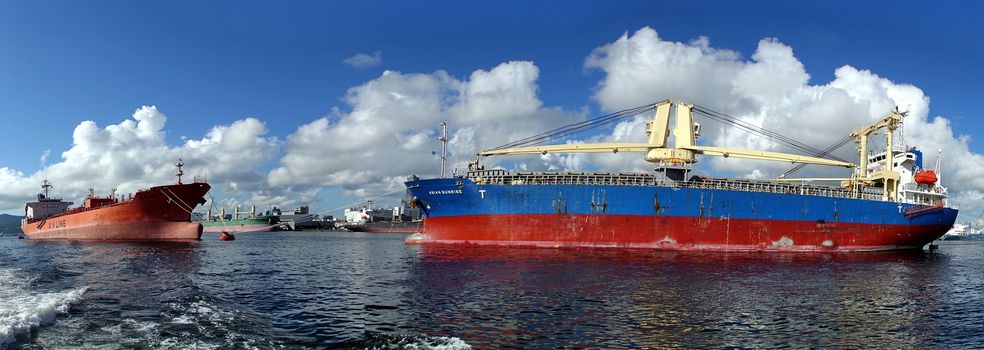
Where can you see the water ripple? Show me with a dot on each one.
(366, 291)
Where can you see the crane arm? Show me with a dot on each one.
(765, 155)
(645, 147)
(891, 121)
(812, 179)
(684, 133)
(612, 147)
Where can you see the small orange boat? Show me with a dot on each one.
(927, 177)
(161, 213)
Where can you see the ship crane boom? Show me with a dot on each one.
(684, 150)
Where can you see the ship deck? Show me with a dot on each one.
(502, 177)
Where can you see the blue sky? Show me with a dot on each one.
(211, 63)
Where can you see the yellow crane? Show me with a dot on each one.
(887, 177)
(684, 149)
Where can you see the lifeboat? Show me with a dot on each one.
(927, 177)
(226, 236)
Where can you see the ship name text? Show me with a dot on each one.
(445, 192)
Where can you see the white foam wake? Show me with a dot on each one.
(441, 343)
(412, 342)
(22, 309)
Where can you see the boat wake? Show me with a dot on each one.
(375, 340)
(190, 324)
(23, 309)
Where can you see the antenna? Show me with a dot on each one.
(444, 146)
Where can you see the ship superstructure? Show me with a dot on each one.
(878, 207)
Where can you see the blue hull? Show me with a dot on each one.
(461, 211)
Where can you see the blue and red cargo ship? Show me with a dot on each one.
(900, 206)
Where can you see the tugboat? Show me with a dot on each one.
(161, 213)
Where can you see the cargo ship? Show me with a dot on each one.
(888, 202)
(404, 218)
(161, 213)
(257, 224)
(251, 223)
(385, 226)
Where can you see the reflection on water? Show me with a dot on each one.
(545, 297)
(357, 290)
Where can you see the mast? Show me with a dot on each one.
(180, 172)
(939, 154)
(45, 185)
(444, 146)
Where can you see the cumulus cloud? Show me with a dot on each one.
(387, 127)
(390, 128)
(365, 60)
(770, 90)
(44, 157)
(134, 154)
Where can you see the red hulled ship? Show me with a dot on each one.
(161, 213)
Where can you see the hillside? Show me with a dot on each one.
(10, 223)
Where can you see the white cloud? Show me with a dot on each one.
(44, 157)
(388, 126)
(771, 90)
(365, 60)
(390, 130)
(134, 154)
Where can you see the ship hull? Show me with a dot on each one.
(668, 218)
(157, 214)
(155, 231)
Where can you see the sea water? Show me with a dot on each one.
(371, 291)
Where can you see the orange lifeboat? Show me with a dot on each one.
(927, 177)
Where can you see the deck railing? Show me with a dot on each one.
(502, 177)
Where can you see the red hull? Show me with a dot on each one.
(152, 215)
(670, 233)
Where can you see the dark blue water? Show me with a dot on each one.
(351, 290)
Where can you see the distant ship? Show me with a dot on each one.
(888, 202)
(963, 232)
(251, 223)
(386, 226)
(161, 213)
(402, 219)
(257, 224)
